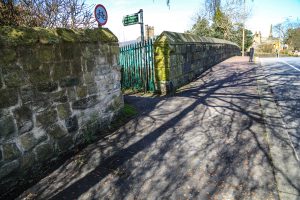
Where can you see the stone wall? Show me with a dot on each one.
(57, 88)
(180, 58)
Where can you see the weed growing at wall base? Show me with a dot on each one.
(126, 113)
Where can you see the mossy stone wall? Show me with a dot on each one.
(57, 86)
(180, 58)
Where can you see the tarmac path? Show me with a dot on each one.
(208, 141)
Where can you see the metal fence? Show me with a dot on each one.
(137, 62)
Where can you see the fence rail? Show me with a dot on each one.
(137, 62)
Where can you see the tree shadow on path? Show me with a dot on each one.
(206, 142)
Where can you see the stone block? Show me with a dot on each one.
(117, 77)
(102, 70)
(88, 78)
(46, 117)
(41, 102)
(76, 67)
(69, 81)
(8, 168)
(100, 60)
(47, 86)
(61, 70)
(64, 110)
(10, 151)
(115, 50)
(27, 141)
(183, 49)
(117, 86)
(45, 53)
(90, 65)
(193, 48)
(81, 91)
(72, 124)
(39, 76)
(59, 97)
(115, 61)
(4, 112)
(13, 76)
(64, 144)
(28, 58)
(173, 59)
(23, 115)
(44, 151)
(71, 94)
(92, 89)
(85, 102)
(27, 160)
(112, 59)
(8, 55)
(39, 134)
(116, 103)
(104, 49)
(8, 97)
(57, 131)
(7, 126)
(27, 94)
(70, 51)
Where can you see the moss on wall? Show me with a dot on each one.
(162, 58)
(16, 36)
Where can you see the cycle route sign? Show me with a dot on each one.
(101, 14)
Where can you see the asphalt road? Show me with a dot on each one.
(283, 76)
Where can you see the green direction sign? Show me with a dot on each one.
(131, 19)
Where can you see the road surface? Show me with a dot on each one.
(280, 100)
(283, 76)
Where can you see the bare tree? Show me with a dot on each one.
(53, 13)
(280, 29)
(283, 30)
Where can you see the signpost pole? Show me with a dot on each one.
(144, 68)
(142, 25)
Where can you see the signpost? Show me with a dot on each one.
(131, 19)
(100, 15)
(136, 18)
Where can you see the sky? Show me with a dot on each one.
(180, 16)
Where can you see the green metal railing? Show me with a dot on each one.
(137, 62)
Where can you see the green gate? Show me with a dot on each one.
(137, 62)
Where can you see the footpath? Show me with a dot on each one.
(208, 141)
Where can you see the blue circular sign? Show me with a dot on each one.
(100, 14)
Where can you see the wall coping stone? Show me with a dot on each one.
(17, 36)
(177, 38)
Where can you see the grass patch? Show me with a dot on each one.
(124, 115)
(127, 113)
(129, 110)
